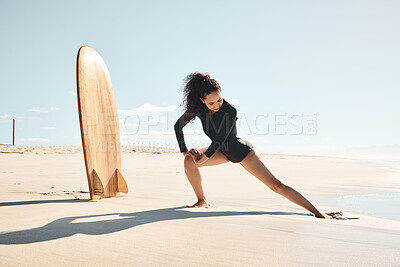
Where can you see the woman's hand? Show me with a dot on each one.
(197, 156)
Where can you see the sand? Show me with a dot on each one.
(47, 218)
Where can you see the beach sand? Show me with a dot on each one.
(47, 218)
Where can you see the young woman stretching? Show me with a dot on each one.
(202, 98)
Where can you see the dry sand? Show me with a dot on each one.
(47, 218)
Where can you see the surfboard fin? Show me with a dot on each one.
(98, 188)
(122, 186)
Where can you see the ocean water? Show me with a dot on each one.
(384, 205)
(379, 204)
(392, 164)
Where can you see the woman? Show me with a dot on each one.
(202, 98)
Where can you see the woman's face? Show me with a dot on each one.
(213, 101)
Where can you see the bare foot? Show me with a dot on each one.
(335, 214)
(329, 215)
(338, 215)
(199, 204)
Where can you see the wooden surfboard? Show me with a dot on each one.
(99, 126)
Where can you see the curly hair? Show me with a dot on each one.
(197, 85)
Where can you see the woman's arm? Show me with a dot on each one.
(178, 127)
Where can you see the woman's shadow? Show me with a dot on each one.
(65, 227)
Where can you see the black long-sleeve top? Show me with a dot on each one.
(221, 128)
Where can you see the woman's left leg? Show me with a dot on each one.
(254, 164)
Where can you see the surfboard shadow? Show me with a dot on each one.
(42, 201)
(65, 227)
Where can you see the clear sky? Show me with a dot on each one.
(307, 77)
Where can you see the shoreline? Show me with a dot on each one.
(43, 150)
(66, 149)
(378, 204)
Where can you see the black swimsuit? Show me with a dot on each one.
(221, 128)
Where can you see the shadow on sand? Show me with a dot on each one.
(42, 201)
(65, 227)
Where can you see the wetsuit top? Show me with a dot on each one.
(221, 128)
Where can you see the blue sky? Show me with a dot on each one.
(307, 77)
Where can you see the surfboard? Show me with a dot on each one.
(99, 126)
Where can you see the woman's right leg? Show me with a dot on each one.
(193, 174)
(255, 165)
